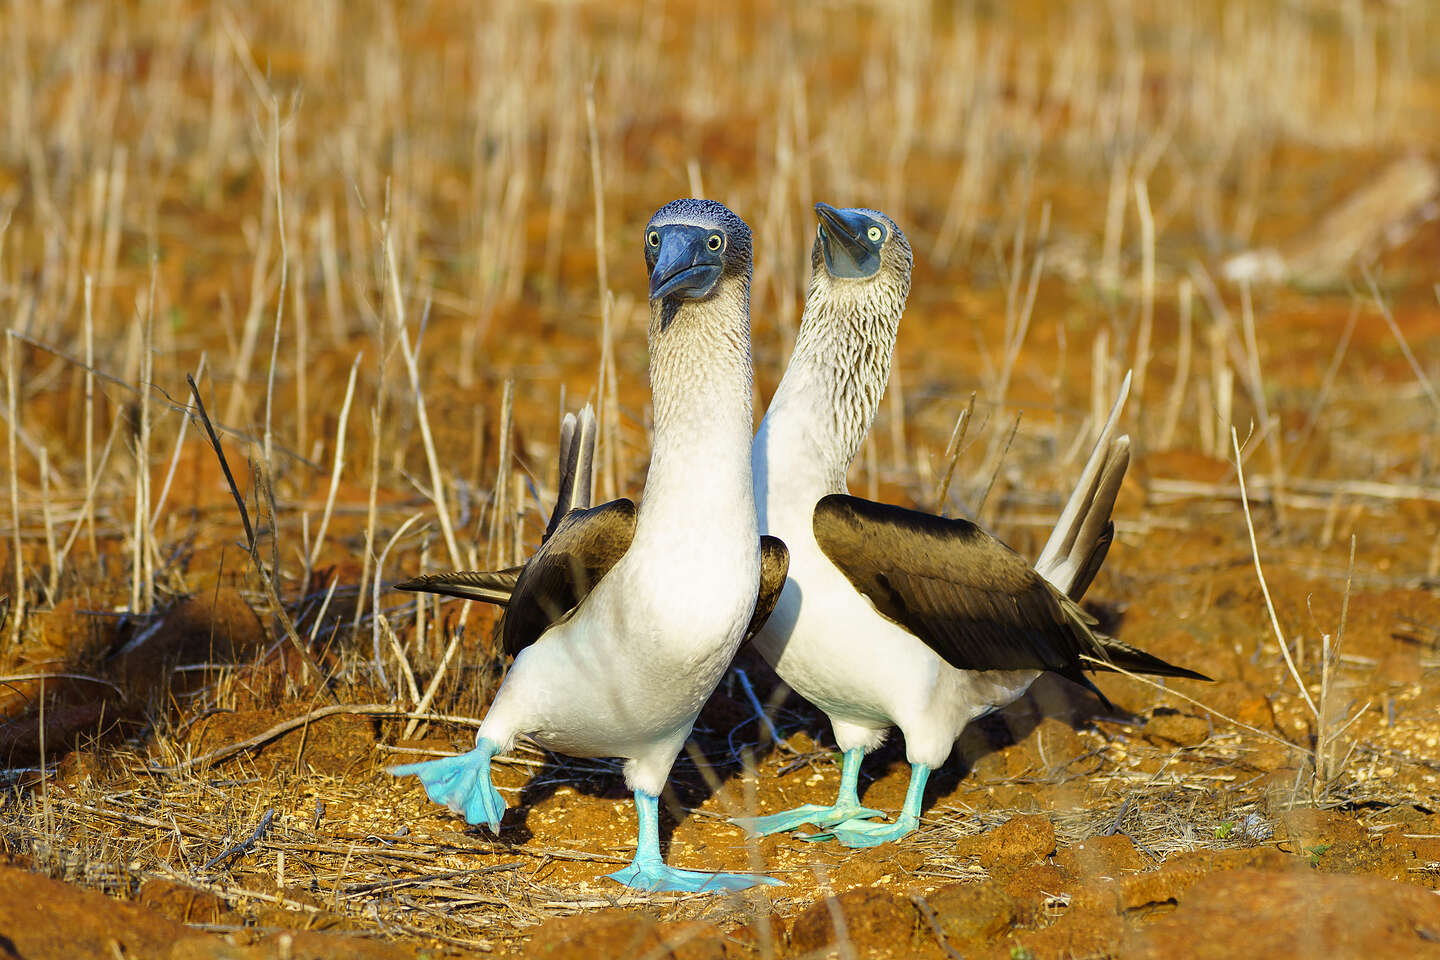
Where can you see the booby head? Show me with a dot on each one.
(860, 244)
(691, 246)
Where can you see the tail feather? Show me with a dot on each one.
(1081, 538)
(1135, 660)
(1098, 530)
(577, 465)
(488, 586)
(574, 492)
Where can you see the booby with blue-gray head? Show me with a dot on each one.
(626, 618)
(893, 617)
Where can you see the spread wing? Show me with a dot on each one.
(774, 567)
(969, 597)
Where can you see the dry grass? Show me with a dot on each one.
(391, 245)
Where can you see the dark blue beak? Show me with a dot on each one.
(685, 266)
(845, 242)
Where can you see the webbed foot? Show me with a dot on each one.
(865, 833)
(462, 783)
(810, 813)
(656, 877)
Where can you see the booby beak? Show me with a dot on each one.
(845, 243)
(686, 265)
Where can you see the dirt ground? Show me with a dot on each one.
(400, 256)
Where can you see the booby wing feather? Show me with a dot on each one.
(774, 568)
(969, 597)
(583, 547)
(487, 586)
(978, 604)
(586, 544)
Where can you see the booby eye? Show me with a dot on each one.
(874, 233)
(714, 242)
(653, 238)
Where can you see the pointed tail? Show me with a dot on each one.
(577, 471)
(490, 586)
(577, 465)
(1081, 538)
(1135, 660)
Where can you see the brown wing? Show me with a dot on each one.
(580, 549)
(969, 597)
(586, 544)
(774, 567)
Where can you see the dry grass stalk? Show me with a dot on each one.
(338, 465)
(1269, 425)
(89, 336)
(87, 509)
(952, 453)
(1176, 401)
(499, 493)
(380, 624)
(606, 414)
(17, 601)
(412, 368)
(142, 579)
(1264, 587)
(175, 456)
(253, 545)
(1415, 367)
(1147, 298)
(52, 585)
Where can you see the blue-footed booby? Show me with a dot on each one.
(626, 618)
(894, 617)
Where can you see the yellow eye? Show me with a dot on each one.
(874, 233)
(714, 243)
(653, 238)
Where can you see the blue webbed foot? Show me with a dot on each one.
(656, 877)
(462, 783)
(864, 833)
(649, 872)
(810, 813)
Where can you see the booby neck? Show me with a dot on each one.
(701, 389)
(831, 390)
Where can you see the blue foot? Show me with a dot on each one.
(656, 877)
(864, 833)
(811, 813)
(649, 872)
(462, 783)
(846, 807)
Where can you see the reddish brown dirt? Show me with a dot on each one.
(1188, 821)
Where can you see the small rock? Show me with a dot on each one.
(1017, 842)
(1101, 856)
(182, 903)
(877, 924)
(973, 911)
(1032, 884)
(1167, 726)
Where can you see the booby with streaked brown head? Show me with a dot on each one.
(893, 617)
(626, 618)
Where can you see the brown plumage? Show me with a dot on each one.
(970, 598)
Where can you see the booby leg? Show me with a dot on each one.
(462, 783)
(846, 807)
(863, 833)
(649, 872)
